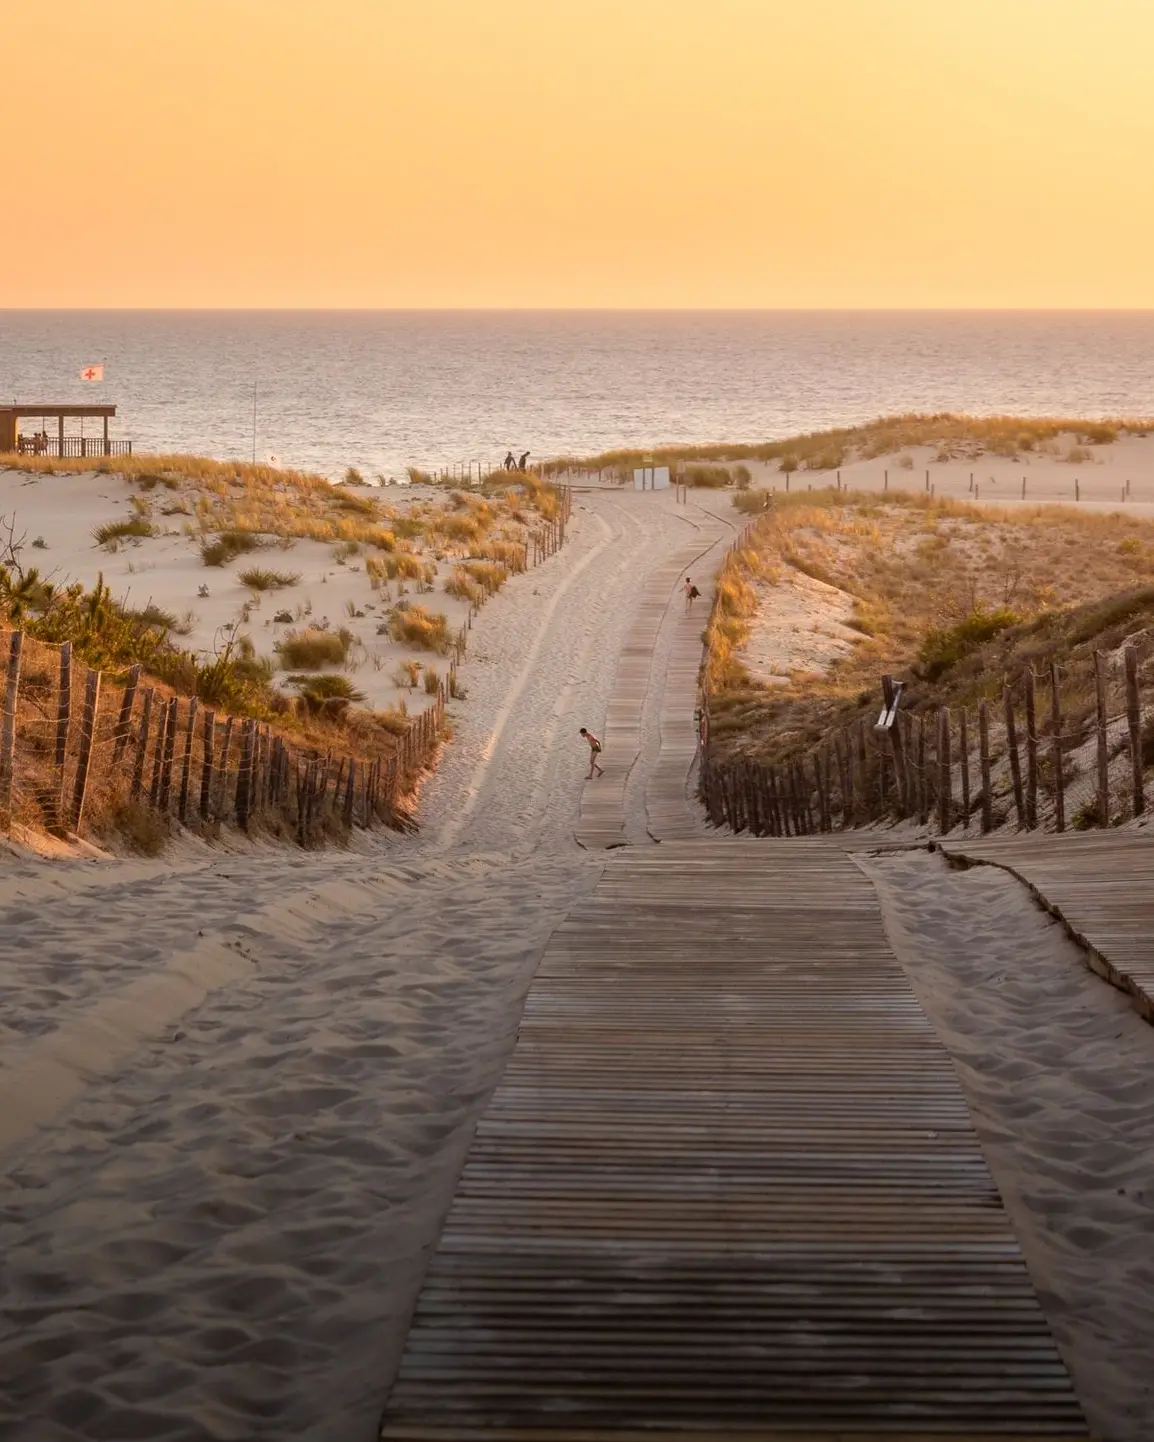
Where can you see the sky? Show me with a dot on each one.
(578, 153)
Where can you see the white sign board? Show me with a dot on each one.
(651, 478)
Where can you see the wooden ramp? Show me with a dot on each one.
(728, 1187)
(602, 818)
(1098, 883)
(671, 814)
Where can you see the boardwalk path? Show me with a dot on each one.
(728, 1182)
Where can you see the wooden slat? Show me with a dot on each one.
(728, 1187)
(602, 817)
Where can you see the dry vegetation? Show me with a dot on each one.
(953, 436)
(952, 597)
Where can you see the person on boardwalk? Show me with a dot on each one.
(691, 593)
(594, 752)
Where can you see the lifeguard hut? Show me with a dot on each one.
(38, 429)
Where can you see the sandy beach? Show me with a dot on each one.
(237, 1086)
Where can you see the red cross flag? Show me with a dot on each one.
(92, 373)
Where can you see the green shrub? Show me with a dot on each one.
(311, 648)
(945, 647)
(326, 695)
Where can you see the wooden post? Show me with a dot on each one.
(350, 792)
(984, 763)
(186, 763)
(87, 735)
(1015, 758)
(222, 807)
(124, 721)
(1031, 753)
(171, 723)
(142, 745)
(158, 756)
(964, 749)
(8, 728)
(945, 789)
(1103, 752)
(1134, 721)
(922, 777)
(244, 777)
(904, 800)
(63, 726)
(208, 746)
(1056, 749)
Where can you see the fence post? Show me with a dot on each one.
(209, 743)
(172, 723)
(87, 734)
(945, 788)
(1134, 721)
(158, 756)
(1031, 752)
(142, 745)
(964, 748)
(222, 808)
(1056, 725)
(124, 721)
(63, 727)
(1015, 758)
(244, 777)
(350, 792)
(984, 763)
(1103, 751)
(923, 788)
(186, 764)
(8, 728)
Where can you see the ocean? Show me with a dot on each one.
(382, 390)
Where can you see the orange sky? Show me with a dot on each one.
(578, 153)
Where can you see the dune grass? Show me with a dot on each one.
(228, 546)
(311, 649)
(944, 594)
(256, 578)
(421, 628)
(112, 532)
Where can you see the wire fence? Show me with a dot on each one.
(85, 752)
(1068, 748)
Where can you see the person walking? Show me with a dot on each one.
(509, 463)
(521, 462)
(691, 594)
(594, 752)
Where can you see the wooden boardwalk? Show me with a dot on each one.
(728, 1185)
(1098, 884)
(602, 818)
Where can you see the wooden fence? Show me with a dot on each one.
(1023, 758)
(73, 739)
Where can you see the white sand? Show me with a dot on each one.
(237, 1089)
(1101, 477)
(1057, 1068)
(166, 570)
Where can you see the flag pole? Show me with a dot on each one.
(254, 423)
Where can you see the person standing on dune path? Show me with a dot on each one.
(594, 752)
